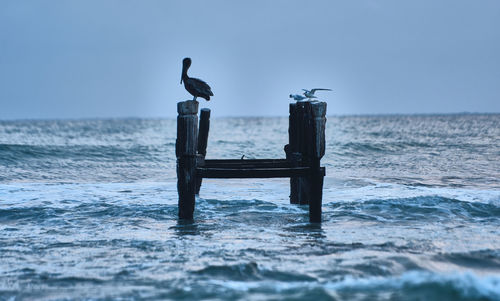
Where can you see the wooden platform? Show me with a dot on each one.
(302, 163)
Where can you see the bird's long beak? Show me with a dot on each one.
(181, 80)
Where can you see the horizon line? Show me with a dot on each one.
(247, 116)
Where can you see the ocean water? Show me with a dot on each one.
(411, 210)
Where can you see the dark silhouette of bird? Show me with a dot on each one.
(194, 86)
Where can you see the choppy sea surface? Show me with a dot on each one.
(411, 211)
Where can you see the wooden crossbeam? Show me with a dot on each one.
(253, 163)
(226, 173)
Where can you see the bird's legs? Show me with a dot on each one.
(194, 98)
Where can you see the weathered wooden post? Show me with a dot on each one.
(202, 140)
(298, 152)
(318, 122)
(292, 153)
(185, 150)
(306, 147)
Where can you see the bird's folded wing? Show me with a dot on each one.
(202, 87)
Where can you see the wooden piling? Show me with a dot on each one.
(318, 123)
(297, 151)
(202, 140)
(291, 152)
(306, 147)
(305, 144)
(185, 149)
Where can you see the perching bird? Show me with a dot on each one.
(310, 93)
(194, 86)
(297, 97)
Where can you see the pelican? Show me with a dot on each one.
(310, 93)
(297, 97)
(194, 86)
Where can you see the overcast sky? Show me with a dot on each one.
(104, 58)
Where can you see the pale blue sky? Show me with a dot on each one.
(103, 58)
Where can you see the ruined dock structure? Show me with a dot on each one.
(304, 151)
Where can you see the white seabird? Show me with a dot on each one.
(297, 97)
(310, 93)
